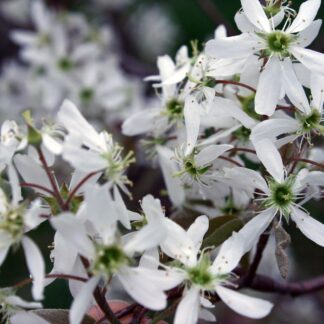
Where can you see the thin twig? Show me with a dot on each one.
(231, 161)
(263, 240)
(51, 178)
(36, 186)
(78, 186)
(308, 161)
(243, 85)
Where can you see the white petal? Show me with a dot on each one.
(142, 290)
(243, 177)
(306, 14)
(293, 87)
(141, 122)
(309, 226)
(17, 301)
(314, 61)
(4, 251)
(240, 46)
(269, 88)
(152, 209)
(178, 244)
(76, 124)
(74, 232)
(242, 23)
(245, 305)
(148, 237)
(314, 178)
(150, 259)
(272, 128)
(226, 107)
(255, 13)
(210, 153)
(255, 227)
(52, 144)
(192, 121)
(308, 35)
(35, 265)
(169, 167)
(188, 309)
(229, 254)
(270, 158)
(317, 87)
(14, 183)
(82, 301)
(121, 209)
(32, 172)
(197, 230)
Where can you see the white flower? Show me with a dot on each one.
(274, 47)
(279, 194)
(109, 255)
(90, 151)
(15, 221)
(202, 276)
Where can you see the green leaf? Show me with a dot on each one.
(223, 231)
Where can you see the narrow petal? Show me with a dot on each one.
(309, 226)
(141, 122)
(306, 14)
(32, 172)
(313, 60)
(293, 87)
(308, 35)
(36, 266)
(27, 318)
(272, 128)
(141, 289)
(245, 305)
(269, 88)
(240, 46)
(210, 153)
(317, 87)
(229, 254)
(255, 227)
(192, 121)
(270, 158)
(83, 300)
(197, 230)
(148, 237)
(74, 232)
(188, 309)
(14, 183)
(255, 13)
(169, 167)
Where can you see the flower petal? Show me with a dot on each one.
(306, 14)
(188, 309)
(309, 226)
(36, 266)
(245, 305)
(311, 59)
(82, 301)
(255, 13)
(270, 158)
(269, 88)
(210, 153)
(197, 230)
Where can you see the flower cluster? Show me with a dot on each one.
(233, 132)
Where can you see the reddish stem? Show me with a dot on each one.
(34, 185)
(243, 85)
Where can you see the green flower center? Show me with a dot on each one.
(13, 223)
(311, 122)
(278, 42)
(191, 168)
(109, 259)
(175, 109)
(200, 274)
(282, 196)
(86, 95)
(243, 134)
(65, 64)
(271, 11)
